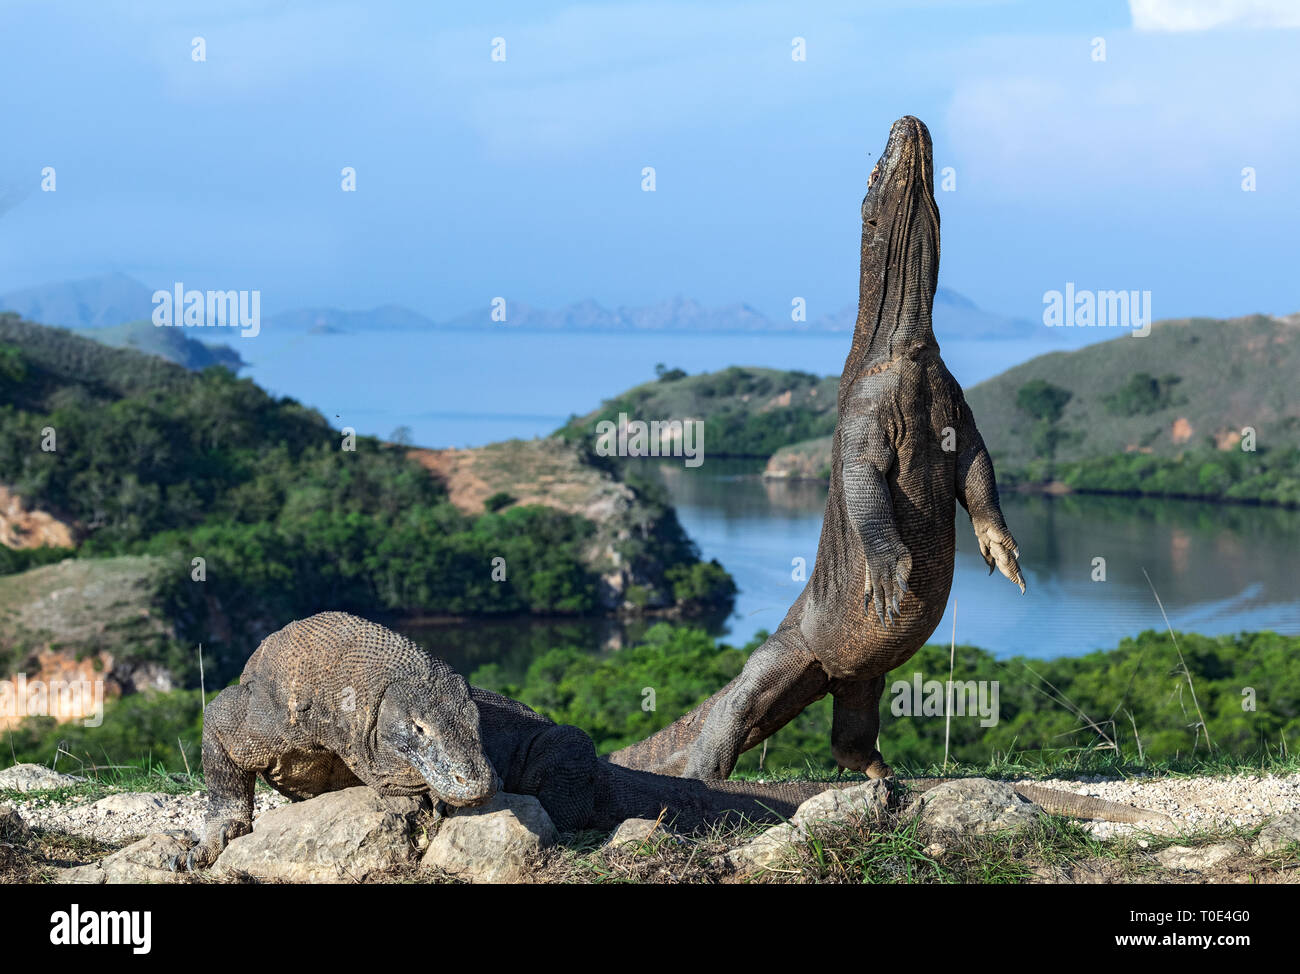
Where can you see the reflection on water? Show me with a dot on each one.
(1218, 569)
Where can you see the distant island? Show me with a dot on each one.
(115, 299)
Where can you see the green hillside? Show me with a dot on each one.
(1164, 414)
(749, 412)
(173, 344)
(1190, 384)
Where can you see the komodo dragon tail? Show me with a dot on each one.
(665, 751)
(625, 793)
(1065, 803)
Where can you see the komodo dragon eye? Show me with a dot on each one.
(875, 174)
(419, 728)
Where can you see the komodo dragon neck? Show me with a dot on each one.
(899, 258)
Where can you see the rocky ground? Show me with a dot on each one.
(1218, 829)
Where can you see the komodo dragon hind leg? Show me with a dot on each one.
(779, 680)
(855, 726)
(561, 772)
(230, 787)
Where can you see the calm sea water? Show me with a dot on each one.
(470, 388)
(1218, 569)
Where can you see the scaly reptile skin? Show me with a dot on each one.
(905, 451)
(334, 701)
(558, 764)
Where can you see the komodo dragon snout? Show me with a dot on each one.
(436, 730)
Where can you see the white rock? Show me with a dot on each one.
(128, 803)
(146, 861)
(1187, 858)
(770, 848)
(976, 805)
(35, 777)
(494, 843)
(871, 798)
(1277, 835)
(635, 831)
(339, 837)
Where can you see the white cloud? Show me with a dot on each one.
(1190, 15)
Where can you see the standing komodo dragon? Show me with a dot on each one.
(906, 450)
(334, 701)
(414, 727)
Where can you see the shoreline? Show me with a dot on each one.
(1057, 488)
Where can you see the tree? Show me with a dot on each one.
(1042, 400)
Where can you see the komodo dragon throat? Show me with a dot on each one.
(281, 721)
(334, 701)
(905, 451)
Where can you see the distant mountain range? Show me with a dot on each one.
(115, 299)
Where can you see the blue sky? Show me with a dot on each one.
(523, 178)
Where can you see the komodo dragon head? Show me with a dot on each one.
(435, 729)
(900, 250)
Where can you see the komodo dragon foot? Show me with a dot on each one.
(210, 847)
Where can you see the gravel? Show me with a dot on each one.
(127, 815)
(1194, 804)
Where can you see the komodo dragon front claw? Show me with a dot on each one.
(887, 576)
(999, 550)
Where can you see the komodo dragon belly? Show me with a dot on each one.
(306, 773)
(861, 648)
(848, 640)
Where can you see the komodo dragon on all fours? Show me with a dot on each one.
(413, 726)
(905, 451)
(334, 701)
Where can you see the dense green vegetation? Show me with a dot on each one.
(287, 515)
(14, 560)
(1136, 691)
(1268, 477)
(1042, 400)
(1138, 696)
(1143, 393)
(1045, 403)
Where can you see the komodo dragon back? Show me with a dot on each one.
(333, 701)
